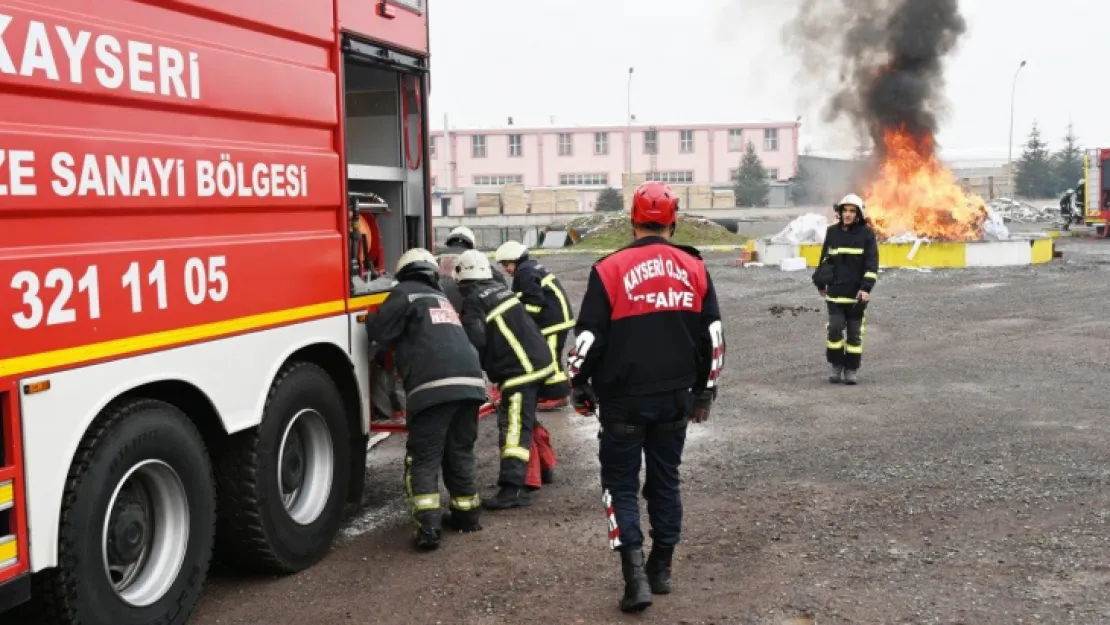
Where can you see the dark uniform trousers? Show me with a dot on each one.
(441, 436)
(652, 428)
(847, 318)
(516, 419)
(557, 386)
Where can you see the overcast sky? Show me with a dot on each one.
(702, 61)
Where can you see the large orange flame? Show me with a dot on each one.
(914, 194)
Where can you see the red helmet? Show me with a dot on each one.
(654, 203)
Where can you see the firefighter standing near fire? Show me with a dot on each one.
(648, 353)
(514, 356)
(848, 270)
(545, 299)
(444, 385)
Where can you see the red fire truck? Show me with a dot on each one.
(197, 198)
(1096, 189)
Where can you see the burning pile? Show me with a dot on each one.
(889, 81)
(912, 193)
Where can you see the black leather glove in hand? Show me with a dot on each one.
(699, 412)
(584, 400)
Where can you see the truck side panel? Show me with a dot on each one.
(169, 175)
(164, 184)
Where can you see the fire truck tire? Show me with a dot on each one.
(138, 519)
(283, 486)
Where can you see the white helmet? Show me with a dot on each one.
(416, 255)
(510, 252)
(851, 200)
(462, 235)
(1070, 192)
(472, 265)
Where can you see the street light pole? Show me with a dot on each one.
(628, 120)
(1010, 156)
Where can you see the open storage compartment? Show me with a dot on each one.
(386, 145)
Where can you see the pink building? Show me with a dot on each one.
(595, 157)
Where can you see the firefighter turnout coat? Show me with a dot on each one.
(437, 362)
(649, 323)
(854, 256)
(543, 297)
(513, 352)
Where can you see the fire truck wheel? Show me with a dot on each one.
(283, 485)
(137, 523)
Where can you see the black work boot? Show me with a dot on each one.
(850, 377)
(463, 521)
(659, 569)
(547, 476)
(426, 538)
(837, 374)
(509, 497)
(637, 590)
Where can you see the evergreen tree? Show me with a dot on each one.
(1034, 175)
(752, 187)
(610, 200)
(1067, 164)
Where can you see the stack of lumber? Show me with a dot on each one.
(489, 204)
(513, 199)
(566, 201)
(543, 200)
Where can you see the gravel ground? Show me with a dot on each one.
(964, 481)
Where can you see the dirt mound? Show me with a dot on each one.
(614, 230)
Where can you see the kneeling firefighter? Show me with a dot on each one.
(848, 270)
(514, 356)
(546, 301)
(443, 382)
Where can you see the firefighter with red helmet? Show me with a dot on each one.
(648, 354)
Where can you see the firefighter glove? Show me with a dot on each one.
(699, 411)
(584, 400)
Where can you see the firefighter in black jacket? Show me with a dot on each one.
(514, 356)
(459, 240)
(443, 381)
(649, 348)
(545, 299)
(847, 272)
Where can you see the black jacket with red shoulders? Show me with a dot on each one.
(649, 323)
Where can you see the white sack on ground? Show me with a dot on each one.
(809, 228)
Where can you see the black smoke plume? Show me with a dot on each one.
(888, 57)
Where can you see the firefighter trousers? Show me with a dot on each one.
(441, 436)
(851, 320)
(516, 419)
(649, 429)
(558, 385)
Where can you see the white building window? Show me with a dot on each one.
(773, 174)
(566, 144)
(583, 180)
(478, 146)
(671, 177)
(432, 146)
(601, 143)
(736, 140)
(497, 180)
(651, 142)
(516, 145)
(771, 140)
(686, 139)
